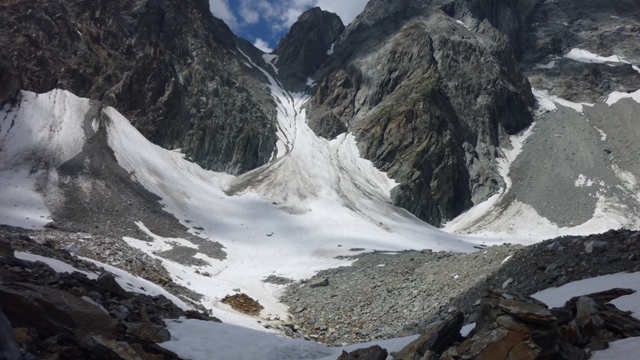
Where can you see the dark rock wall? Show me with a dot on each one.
(9, 81)
(429, 101)
(305, 48)
(169, 66)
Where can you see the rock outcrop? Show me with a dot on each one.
(605, 28)
(306, 47)
(174, 70)
(9, 82)
(68, 315)
(513, 326)
(429, 99)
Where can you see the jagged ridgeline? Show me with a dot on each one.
(429, 88)
(174, 70)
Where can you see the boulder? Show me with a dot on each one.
(148, 332)
(436, 339)
(528, 312)
(370, 353)
(594, 245)
(103, 348)
(52, 311)
(107, 282)
(319, 282)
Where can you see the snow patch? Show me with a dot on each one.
(589, 57)
(271, 60)
(310, 82)
(549, 65)
(603, 135)
(555, 297)
(330, 51)
(582, 181)
(128, 281)
(463, 24)
(548, 102)
(56, 265)
(616, 96)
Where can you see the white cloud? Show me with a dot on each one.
(347, 10)
(220, 9)
(262, 45)
(249, 16)
(282, 14)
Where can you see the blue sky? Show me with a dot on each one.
(265, 22)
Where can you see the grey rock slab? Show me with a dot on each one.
(319, 282)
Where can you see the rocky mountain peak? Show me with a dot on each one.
(307, 46)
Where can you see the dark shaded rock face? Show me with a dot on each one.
(306, 47)
(429, 100)
(602, 27)
(9, 83)
(169, 66)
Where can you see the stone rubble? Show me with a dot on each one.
(69, 316)
(384, 295)
(514, 326)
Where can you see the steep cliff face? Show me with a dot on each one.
(171, 67)
(605, 28)
(307, 46)
(429, 98)
(9, 81)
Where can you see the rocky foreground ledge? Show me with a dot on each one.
(514, 326)
(49, 315)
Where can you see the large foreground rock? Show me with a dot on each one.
(433, 342)
(53, 312)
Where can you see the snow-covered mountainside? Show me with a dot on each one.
(510, 127)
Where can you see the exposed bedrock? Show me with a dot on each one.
(429, 98)
(174, 70)
(307, 46)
